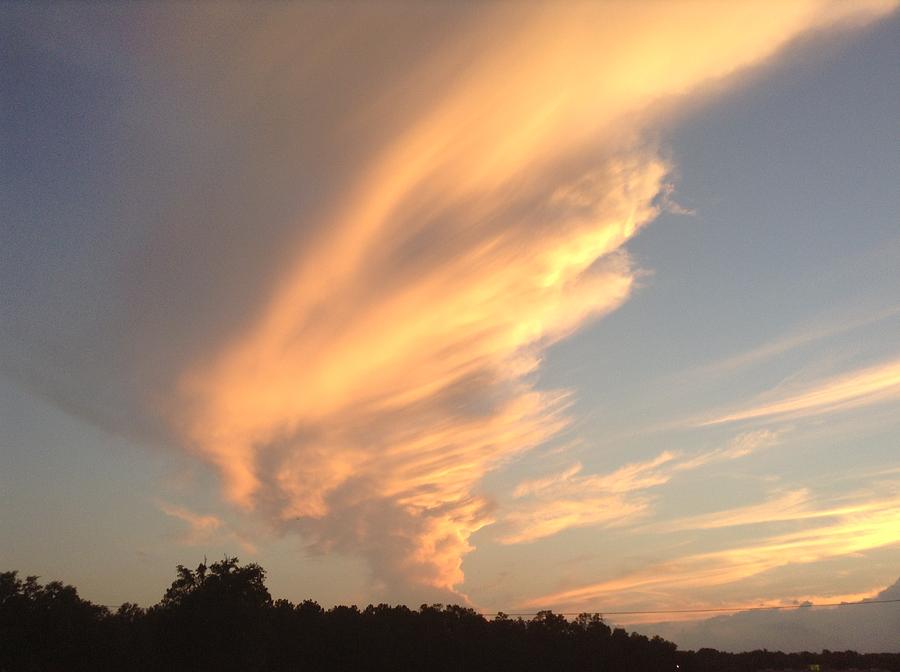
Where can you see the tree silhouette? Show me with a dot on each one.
(47, 627)
(214, 618)
(221, 617)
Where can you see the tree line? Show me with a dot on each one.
(221, 617)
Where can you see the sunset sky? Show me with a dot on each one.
(582, 306)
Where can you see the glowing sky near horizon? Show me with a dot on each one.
(520, 305)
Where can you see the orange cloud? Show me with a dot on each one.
(204, 529)
(546, 518)
(389, 369)
(200, 528)
(792, 505)
(863, 387)
(853, 529)
(794, 340)
(568, 499)
(742, 445)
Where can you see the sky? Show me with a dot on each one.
(579, 306)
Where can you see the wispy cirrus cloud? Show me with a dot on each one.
(565, 500)
(862, 387)
(568, 499)
(829, 532)
(200, 528)
(791, 505)
(796, 339)
(745, 443)
(204, 529)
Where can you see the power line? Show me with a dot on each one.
(703, 611)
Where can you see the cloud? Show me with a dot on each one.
(741, 445)
(565, 500)
(830, 532)
(351, 234)
(862, 387)
(546, 483)
(204, 529)
(569, 499)
(849, 321)
(200, 528)
(867, 629)
(792, 505)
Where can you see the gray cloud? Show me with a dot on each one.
(867, 629)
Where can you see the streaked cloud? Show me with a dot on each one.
(792, 505)
(204, 529)
(844, 531)
(741, 445)
(200, 528)
(798, 338)
(862, 387)
(569, 499)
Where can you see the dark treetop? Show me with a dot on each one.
(221, 617)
